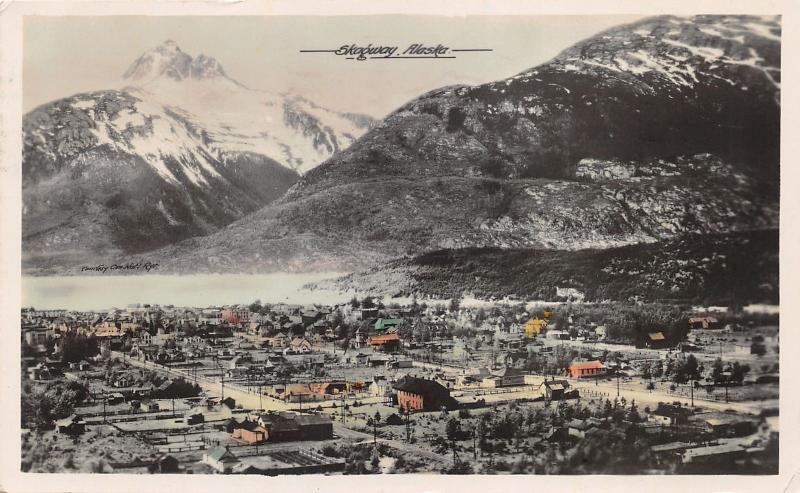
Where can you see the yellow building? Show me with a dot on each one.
(534, 327)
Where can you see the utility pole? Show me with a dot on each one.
(343, 410)
(408, 423)
(617, 383)
(474, 443)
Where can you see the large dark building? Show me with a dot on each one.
(287, 426)
(419, 394)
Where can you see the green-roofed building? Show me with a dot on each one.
(386, 323)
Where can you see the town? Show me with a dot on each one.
(371, 387)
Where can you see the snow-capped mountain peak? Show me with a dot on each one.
(168, 61)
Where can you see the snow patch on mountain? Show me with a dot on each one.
(233, 118)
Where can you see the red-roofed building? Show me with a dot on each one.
(385, 342)
(583, 369)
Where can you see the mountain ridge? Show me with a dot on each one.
(197, 150)
(638, 134)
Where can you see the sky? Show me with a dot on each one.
(63, 56)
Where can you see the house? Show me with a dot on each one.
(670, 414)
(300, 345)
(279, 340)
(656, 340)
(506, 378)
(400, 363)
(330, 388)
(419, 394)
(534, 327)
(381, 387)
(558, 335)
(472, 376)
(558, 434)
(308, 317)
(383, 324)
(554, 390)
(728, 426)
(71, 425)
(167, 464)
(586, 369)
(221, 459)
(512, 376)
(378, 360)
(704, 323)
(578, 427)
(40, 372)
(385, 342)
(249, 432)
(298, 392)
(366, 313)
(600, 332)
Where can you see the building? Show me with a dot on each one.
(381, 387)
(656, 340)
(534, 327)
(670, 414)
(419, 394)
(554, 390)
(287, 426)
(249, 432)
(704, 323)
(558, 334)
(382, 324)
(71, 425)
(586, 369)
(300, 345)
(167, 464)
(236, 316)
(385, 342)
(508, 377)
(221, 459)
(366, 313)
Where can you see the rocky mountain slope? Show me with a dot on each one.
(642, 133)
(718, 269)
(180, 151)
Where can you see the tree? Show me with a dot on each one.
(670, 368)
(633, 414)
(757, 348)
(76, 347)
(738, 372)
(647, 373)
(716, 371)
(658, 369)
(453, 429)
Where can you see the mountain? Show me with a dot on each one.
(729, 269)
(645, 132)
(181, 150)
